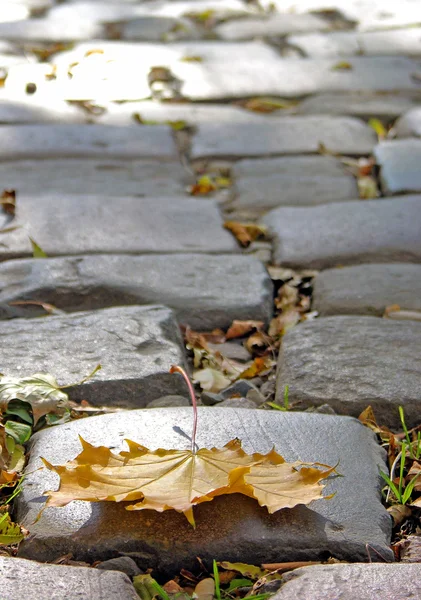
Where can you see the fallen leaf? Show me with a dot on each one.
(258, 342)
(8, 202)
(246, 233)
(37, 251)
(378, 127)
(40, 390)
(197, 59)
(342, 66)
(181, 479)
(249, 571)
(266, 105)
(241, 328)
(283, 322)
(211, 380)
(205, 589)
(10, 533)
(260, 365)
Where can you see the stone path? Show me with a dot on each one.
(111, 116)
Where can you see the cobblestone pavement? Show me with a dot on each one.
(130, 131)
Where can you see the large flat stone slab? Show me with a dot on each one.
(100, 177)
(399, 162)
(274, 25)
(398, 42)
(346, 233)
(284, 135)
(204, 291)
(367, 289)
(19, 577)
(364, 105)
(136, 346)
(231, 527)
(224, 79)
(80, 141)
(352, 362)
(348, 582)
(262, 184)
(30, 111)
(78, 224)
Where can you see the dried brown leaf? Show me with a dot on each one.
(241, 328)
(246, 233)
(8, 202)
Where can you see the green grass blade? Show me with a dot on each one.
(216, 578)
(392, 486)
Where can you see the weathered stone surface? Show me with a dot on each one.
(21, 111)
(231, 527)
(399, 42)
(222, 79)
(273, 25)
(204, 291)
(399, 162)
(291, 181)
(380, 106)
(20, 578)
(191, 114)
(106, 177)
(49, 30)
(348, 582)
(168, 401)
(367, 289)
(409, 125)
(79, 224)
(346, 233)
(136, 347)
(125, 564)
(284, 135)
(352, 362)
(79, 141)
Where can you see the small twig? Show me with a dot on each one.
(177, 369)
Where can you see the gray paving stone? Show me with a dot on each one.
(49, 30)
(284, 135)
(236, 78)
(348, 582)
(80, 141)
(351, 362)
(291, 181)
(205, 292)
(19, 577)
(399, 162)
(21, 111)
(398, 42)
(106, 177)
(191, 114)
(345, 233)
(409, 124)
(78, 224)
(231, 527)
(158, 29)
(136, 346)
(273, 25)
(367, 289)
(381, 106)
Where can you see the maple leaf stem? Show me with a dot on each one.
(177, 369)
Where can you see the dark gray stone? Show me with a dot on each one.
(399, 162)
(95, 177)
(274, 25)
(262, 184)
(239, 388)
(20, 578)
(345, 233)
(19, 142)
(125, 564)
(232, 351)
(386, 107)
(210, 398)
(78, 224)
(204, 291)
(367, 289)
(231, 527)
(409, 124)
(136, 347)
(349, 582)
(352, 362)
(169, 401)
(284, 135)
